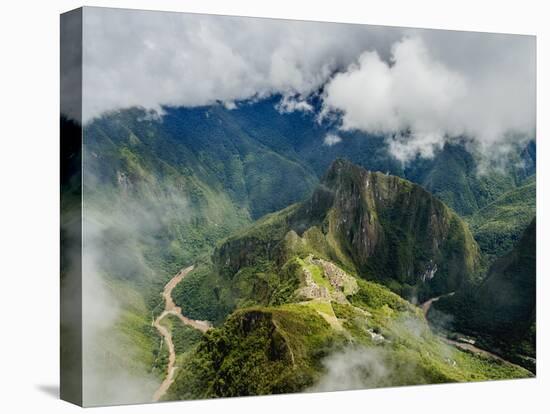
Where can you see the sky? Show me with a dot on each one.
(419, 88)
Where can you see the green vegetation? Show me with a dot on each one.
(455, 174)
(132, 343)
(183, 336)
(374, 296)
(390, 230)
(317, 274)
(203, 296)
(466, 184)
(270, 350)
(207, 295)
(501, 310)
(258, 351)
(225, 190)
(498, 226)
(295, 305)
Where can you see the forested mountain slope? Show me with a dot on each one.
(297, 289)
(160, 193)
(501, 310)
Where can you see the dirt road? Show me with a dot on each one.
(171, 308)
(428, 304)
(464, 346)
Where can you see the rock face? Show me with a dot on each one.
(383, 227)
(394, 229)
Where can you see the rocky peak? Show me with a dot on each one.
(385, 227)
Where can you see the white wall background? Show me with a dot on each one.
(29, 147)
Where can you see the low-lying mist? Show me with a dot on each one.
(397, 359)
(354, 368)
(123, 230)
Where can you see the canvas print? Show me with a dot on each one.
(257, 206)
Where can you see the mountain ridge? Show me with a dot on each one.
(294, 295)
(164, 191)
(419, 250)
(357, 213)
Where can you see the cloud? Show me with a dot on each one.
(420, 102)
(420, 88)
(230, 105)
(360, 367)
(290, 104)
(331, 139)
(353, 368)
(151, 59)
(122, 230)
(112, 369)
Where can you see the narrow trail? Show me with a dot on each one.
(465, 346)
(428, 304)
(460, 344)
(170, 308)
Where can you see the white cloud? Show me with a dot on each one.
(291, 104)
(114, 260)
(331, 139)
(130, 379)
(230, 105)
(354, 368)
(419, 87)
(150, 59)
(420, 102)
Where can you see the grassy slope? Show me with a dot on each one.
(280, 349)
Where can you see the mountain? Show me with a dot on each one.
(161, 192)
(378, 226)
(456, 174)
(461, 179)
(498, 226)
(395, 231)
(501, 310)
(298, 288)
(157, 194)
(255, 148)
(192, 177)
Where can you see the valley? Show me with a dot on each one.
(259, 207)
(171, 309)
(300, 288)
(301, 252)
